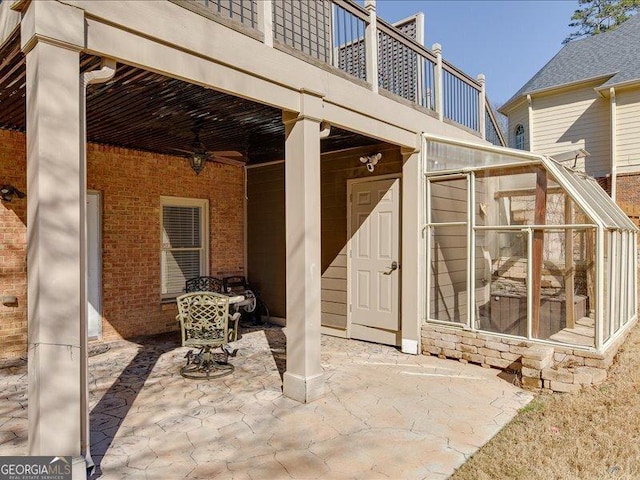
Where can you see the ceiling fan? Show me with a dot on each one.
(198, 155)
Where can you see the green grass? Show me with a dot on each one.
(590, 435)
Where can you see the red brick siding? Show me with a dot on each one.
(13, 247)
(628, 189)
(131, 183)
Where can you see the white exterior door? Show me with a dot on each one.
(374, 261)
(94, 266)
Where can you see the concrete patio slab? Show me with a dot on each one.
(384, 415)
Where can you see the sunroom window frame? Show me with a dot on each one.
(603, 216)
(203, 205)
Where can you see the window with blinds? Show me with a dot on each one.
(184, 243)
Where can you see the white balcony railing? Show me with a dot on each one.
(351, 38)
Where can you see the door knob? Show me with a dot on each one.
(394, 266)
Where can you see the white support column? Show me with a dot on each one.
(304, 378)
(471, 248)
(437, 80)
(482, 106)
(265, 20)
(52, 37)
(614, 173)
(371, 45)
(412, 201)
(530, 121)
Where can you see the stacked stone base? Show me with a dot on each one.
(539, 366)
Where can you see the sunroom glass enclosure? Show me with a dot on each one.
(519, 245)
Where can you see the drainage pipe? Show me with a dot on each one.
(105, 73)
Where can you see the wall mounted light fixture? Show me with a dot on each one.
(371, 161)
(8, 191)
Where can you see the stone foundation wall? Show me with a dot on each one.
(539, 366)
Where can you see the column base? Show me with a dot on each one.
(78, 468)
(303, 389)
(410, 346)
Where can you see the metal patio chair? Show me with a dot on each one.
(204, 284)
(204, 323)
(214, 284)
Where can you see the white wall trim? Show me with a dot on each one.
(100, 259)
(530, 120)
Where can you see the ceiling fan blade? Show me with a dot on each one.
(226, 153)
(228, 161)
(189, 152)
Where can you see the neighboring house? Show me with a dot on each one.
(587, 97)
(351, 173)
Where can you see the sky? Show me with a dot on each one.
(507, 40)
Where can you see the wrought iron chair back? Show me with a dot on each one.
(204, 284)
(204, 319)
(204, 323)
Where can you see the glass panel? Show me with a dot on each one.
(508, 197)
(448, 270)
(589, 193)
(448, 200)
(624, 279)
(177, 268)
(180, 227)
(565, 279)
(501, 281)
(585, 258)
(444, 156)
(503, 197)
(618, 216)
(606, 282)
(618, 289)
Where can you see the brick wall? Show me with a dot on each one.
(131, 183)
(13, 247)
(628, 189)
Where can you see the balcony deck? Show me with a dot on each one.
(346, 38)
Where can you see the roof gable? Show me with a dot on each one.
(614, 54)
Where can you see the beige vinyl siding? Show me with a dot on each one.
(628, 130)
(574, 119)
(266, 235)
(519, 115)
(266, 228)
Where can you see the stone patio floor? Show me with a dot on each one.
(385, 414)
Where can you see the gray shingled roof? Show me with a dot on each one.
(615, 53)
